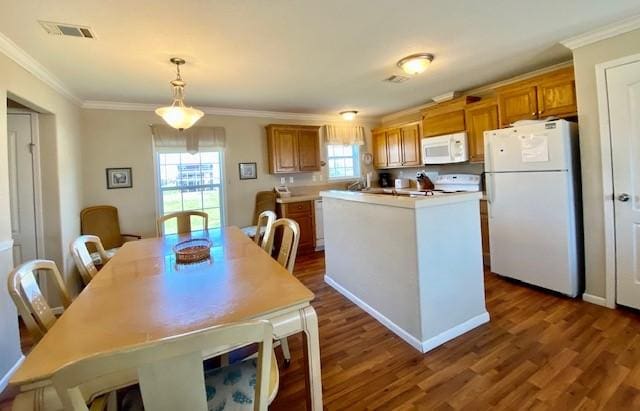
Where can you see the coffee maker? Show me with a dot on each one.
(384, 180)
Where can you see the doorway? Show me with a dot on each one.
(24, 185)
(619, 94)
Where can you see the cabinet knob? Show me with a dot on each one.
(533, 114)
(624, 197)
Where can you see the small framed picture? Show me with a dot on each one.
(119, 178)
(248, 171)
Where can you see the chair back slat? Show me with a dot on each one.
(171, 372)
(266, 220)
(286, 254)
(82, 257)
(103, 222)
(27, 296)
(183, 219)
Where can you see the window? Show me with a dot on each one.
(343, 161)
(190, 182)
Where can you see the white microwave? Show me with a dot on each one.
(450, 148)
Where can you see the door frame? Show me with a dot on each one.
(37, 177)
(607, 180)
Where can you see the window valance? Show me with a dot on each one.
(190, 140)
(343, 135)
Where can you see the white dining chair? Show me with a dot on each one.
(260, 231)
(34, 309)
(171, 374)
(286, 256)
(183, 220)
(82, 257)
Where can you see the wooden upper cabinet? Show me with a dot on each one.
(550, 94)
(394, 148)
(518, 103)
(293, 149)
(445, 118)
(557, 97)
(380, 158)
(480, 117)
(410, 135)
(308, 150)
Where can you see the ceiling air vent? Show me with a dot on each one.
(396, 79)
(62, 29)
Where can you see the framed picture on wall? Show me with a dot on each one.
(119, 178)
(248, 171)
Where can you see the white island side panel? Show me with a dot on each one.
(370, 253)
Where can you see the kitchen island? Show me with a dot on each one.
(414, 264)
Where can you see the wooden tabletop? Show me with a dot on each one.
(141, 295)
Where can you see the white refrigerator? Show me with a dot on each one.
(534, 218)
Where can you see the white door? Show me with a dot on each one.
(623, 85)
(22, 187)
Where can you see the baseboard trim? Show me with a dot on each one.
(594, 299)
(4, 381)
(422, 346)
(454, 332)
(400, 332)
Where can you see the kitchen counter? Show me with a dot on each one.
(297, 198)
(414, 264)
(402, 201)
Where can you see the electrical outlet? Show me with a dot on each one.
(321, 177)
(313, 178)
(282, 180)
(290, 180)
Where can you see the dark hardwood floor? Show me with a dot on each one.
(540, 351)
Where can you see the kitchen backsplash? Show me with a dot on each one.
(463, 168)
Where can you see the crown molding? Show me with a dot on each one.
(602, 33)
(24, 60)
(221, 111)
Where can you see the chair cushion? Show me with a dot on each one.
(251, 230)
(228, 388)
(96, 257)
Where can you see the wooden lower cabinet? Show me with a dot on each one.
(484, 229)
(303, 213)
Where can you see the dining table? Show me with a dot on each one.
(143, 295)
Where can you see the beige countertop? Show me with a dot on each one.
(298, 198)
(402, 201)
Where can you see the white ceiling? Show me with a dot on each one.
(304, 56)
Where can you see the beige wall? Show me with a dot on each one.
(585, 60)
(122, 139)
(62, 178)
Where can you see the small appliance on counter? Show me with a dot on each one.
(451, 183)
(384, 180)
(282, 191)
(402, 183)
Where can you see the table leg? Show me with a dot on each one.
(311, 340)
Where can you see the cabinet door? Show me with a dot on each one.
(446, 123)
(308, 150)
(410, 145)
(480, 118)
(285, 150)
(394, 148)
(379, 149)
(557, 97)
(517, 104)
(302, 213)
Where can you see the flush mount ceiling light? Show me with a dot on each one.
(415, 63)
(177, 115)
(348, 115)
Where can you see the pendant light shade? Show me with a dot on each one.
(177, 115)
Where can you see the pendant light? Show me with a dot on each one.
(177, 115)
